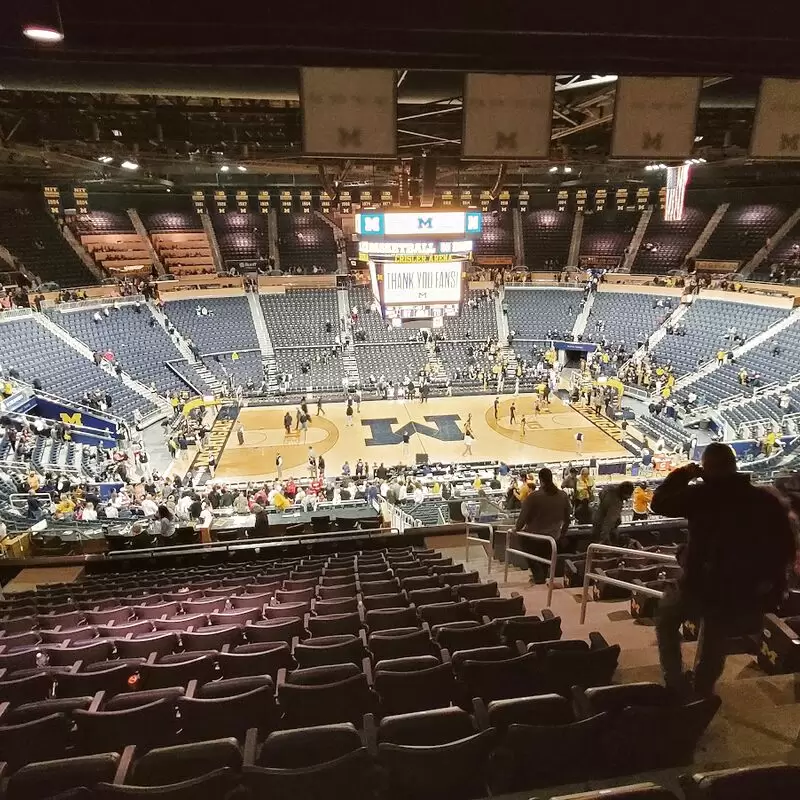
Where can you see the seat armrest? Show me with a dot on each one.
(481, 713)
(597, 641)
(124, 766)
(580, 703)
(371, 735)
(366, 666)
(547, 614)
(97, 701)
(250, 747)
(362, 634)
(522, 648)
(191, 688)
(281, 677)
(445, 655)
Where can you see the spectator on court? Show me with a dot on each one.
(735, 565)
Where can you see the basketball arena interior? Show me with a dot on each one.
(290, 329)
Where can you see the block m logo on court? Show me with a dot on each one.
(444, 428)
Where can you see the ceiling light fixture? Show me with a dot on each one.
(43, 34)
(224, 168)
(241, 168)
(553, 169)
(567, 169)
(126, 164)
(105, 159)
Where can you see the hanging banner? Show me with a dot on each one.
(776, 130)
(507, 116)
(655, 117)
(348, 112)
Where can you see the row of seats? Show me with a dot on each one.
(666, 244)
(597, 733)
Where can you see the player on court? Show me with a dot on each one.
(579, 441)
(496, 407)
(468, 440)
(512, 413)
(523, 424)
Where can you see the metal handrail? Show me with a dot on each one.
(478, 540)
(539, 559)
(251, 544)
(588, 576)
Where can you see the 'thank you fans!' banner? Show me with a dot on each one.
(655, 117)
(507, 116)
(349, 112)
(776, 131)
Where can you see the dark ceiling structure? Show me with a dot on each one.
(186, 90)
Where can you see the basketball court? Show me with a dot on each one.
(435, 428)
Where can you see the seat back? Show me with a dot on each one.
(45, 779)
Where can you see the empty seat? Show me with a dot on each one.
(261, 658)
(323, 695)
(148, 725)
(434, 754)
(773, 781)
(228, 708)
(324, 650)
(45, 779)
(416, 683)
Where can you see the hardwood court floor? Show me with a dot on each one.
(435, 427)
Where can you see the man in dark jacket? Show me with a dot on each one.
(735, 564)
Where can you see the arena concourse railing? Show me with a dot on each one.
(470, 526)
(589, 576)
(551, 562)
(257, 545)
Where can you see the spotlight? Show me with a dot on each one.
(241, 168)
(116, 132)
(698, 139)
(224, 168)
(553, 169)
(43, 34)
(567, 169)
(105, 159)
(129, 164)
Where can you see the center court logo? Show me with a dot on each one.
(443, 428)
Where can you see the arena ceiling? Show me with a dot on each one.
(186, 90)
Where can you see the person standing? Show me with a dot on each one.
(641, 501)
(204, 523)
(312, 463)
(496, 408)
(406, 443)
(279, 465)
(349, 413)
(523, 424)
(468, 440)
(320, 409)
(240, 434)
(546, 512)
(359, 395)
(608, 514)
(512, 413)
(579, 441)
(321, 466)
(735, 564)
(287, 423)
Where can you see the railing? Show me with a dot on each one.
(397, 517)
(252, 544)
(20, 501)
(588, 576)
(478, 540)
(538, 559)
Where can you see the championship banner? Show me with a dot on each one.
(655, 117)
(507, 116)
(776, 130)
(349, 112)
